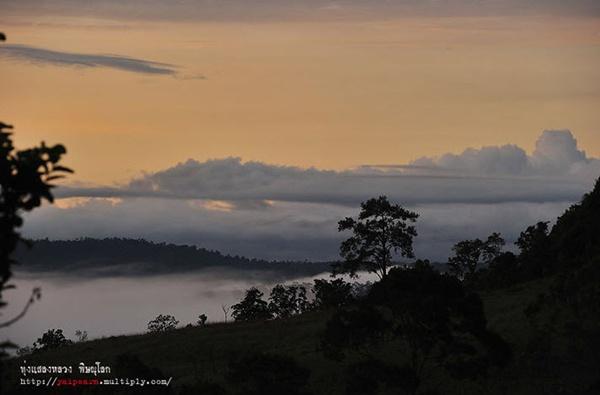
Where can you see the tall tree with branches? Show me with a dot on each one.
(382, 232)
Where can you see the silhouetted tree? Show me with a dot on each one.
(162, 323)
(252, 307)
(438, 322)
(381, 231)
(502, 271)
(575, 238)
(25, 180)
(53, 338)
(470, 255)
(423, 264)
(81, 335)
(225, 309)
(332, 294)
(268, 374)
(202, 320)
(288, 300)
(536, 255)
(22, 351)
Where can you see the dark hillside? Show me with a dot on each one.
(541, 366)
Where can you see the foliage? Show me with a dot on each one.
(23, 351)
(381, 232)
(82, 336)
(332, 294)
(25, 180)
(358, 327)
(431, 315)
(503, 271)
(53, 338)
(288, 300)
(252, 307)
(575, 238)
(535, 251)
(470, 255)
(569, 309)
(268, 374)
(162, 323)
(202, 320)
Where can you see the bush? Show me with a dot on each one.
(332, 294)
(202, 320)
(162, 323)
(53, 338)
(252, 307)
(288, 300)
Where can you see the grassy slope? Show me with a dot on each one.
(190, 353)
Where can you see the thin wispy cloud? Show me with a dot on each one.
(72, 59)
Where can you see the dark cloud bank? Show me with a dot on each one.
(280, 212)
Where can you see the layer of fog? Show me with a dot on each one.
(116, 306)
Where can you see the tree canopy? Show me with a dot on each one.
(381, 232)
(470, 255)
(252, 307)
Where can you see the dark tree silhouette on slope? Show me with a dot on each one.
(381, 232)
(53, 338)
(470, 255)
(162, 323)
(439, 323)
(288, 300)
(253, 307)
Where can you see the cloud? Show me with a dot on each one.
(556, 151)
(555, 172)
(294, 231)
(284, 212)
(556, 154)
(72, 59)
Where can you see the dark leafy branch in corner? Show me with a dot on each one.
(25, 180)
(36, 294)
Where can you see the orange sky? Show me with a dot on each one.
(325, 94)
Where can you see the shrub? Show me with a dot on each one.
(162, 323)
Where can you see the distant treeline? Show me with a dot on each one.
(121, 256)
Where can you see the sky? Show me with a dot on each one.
(252, 127)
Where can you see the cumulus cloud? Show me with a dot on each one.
(556, 154)
(556, 151)
(72, 59)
